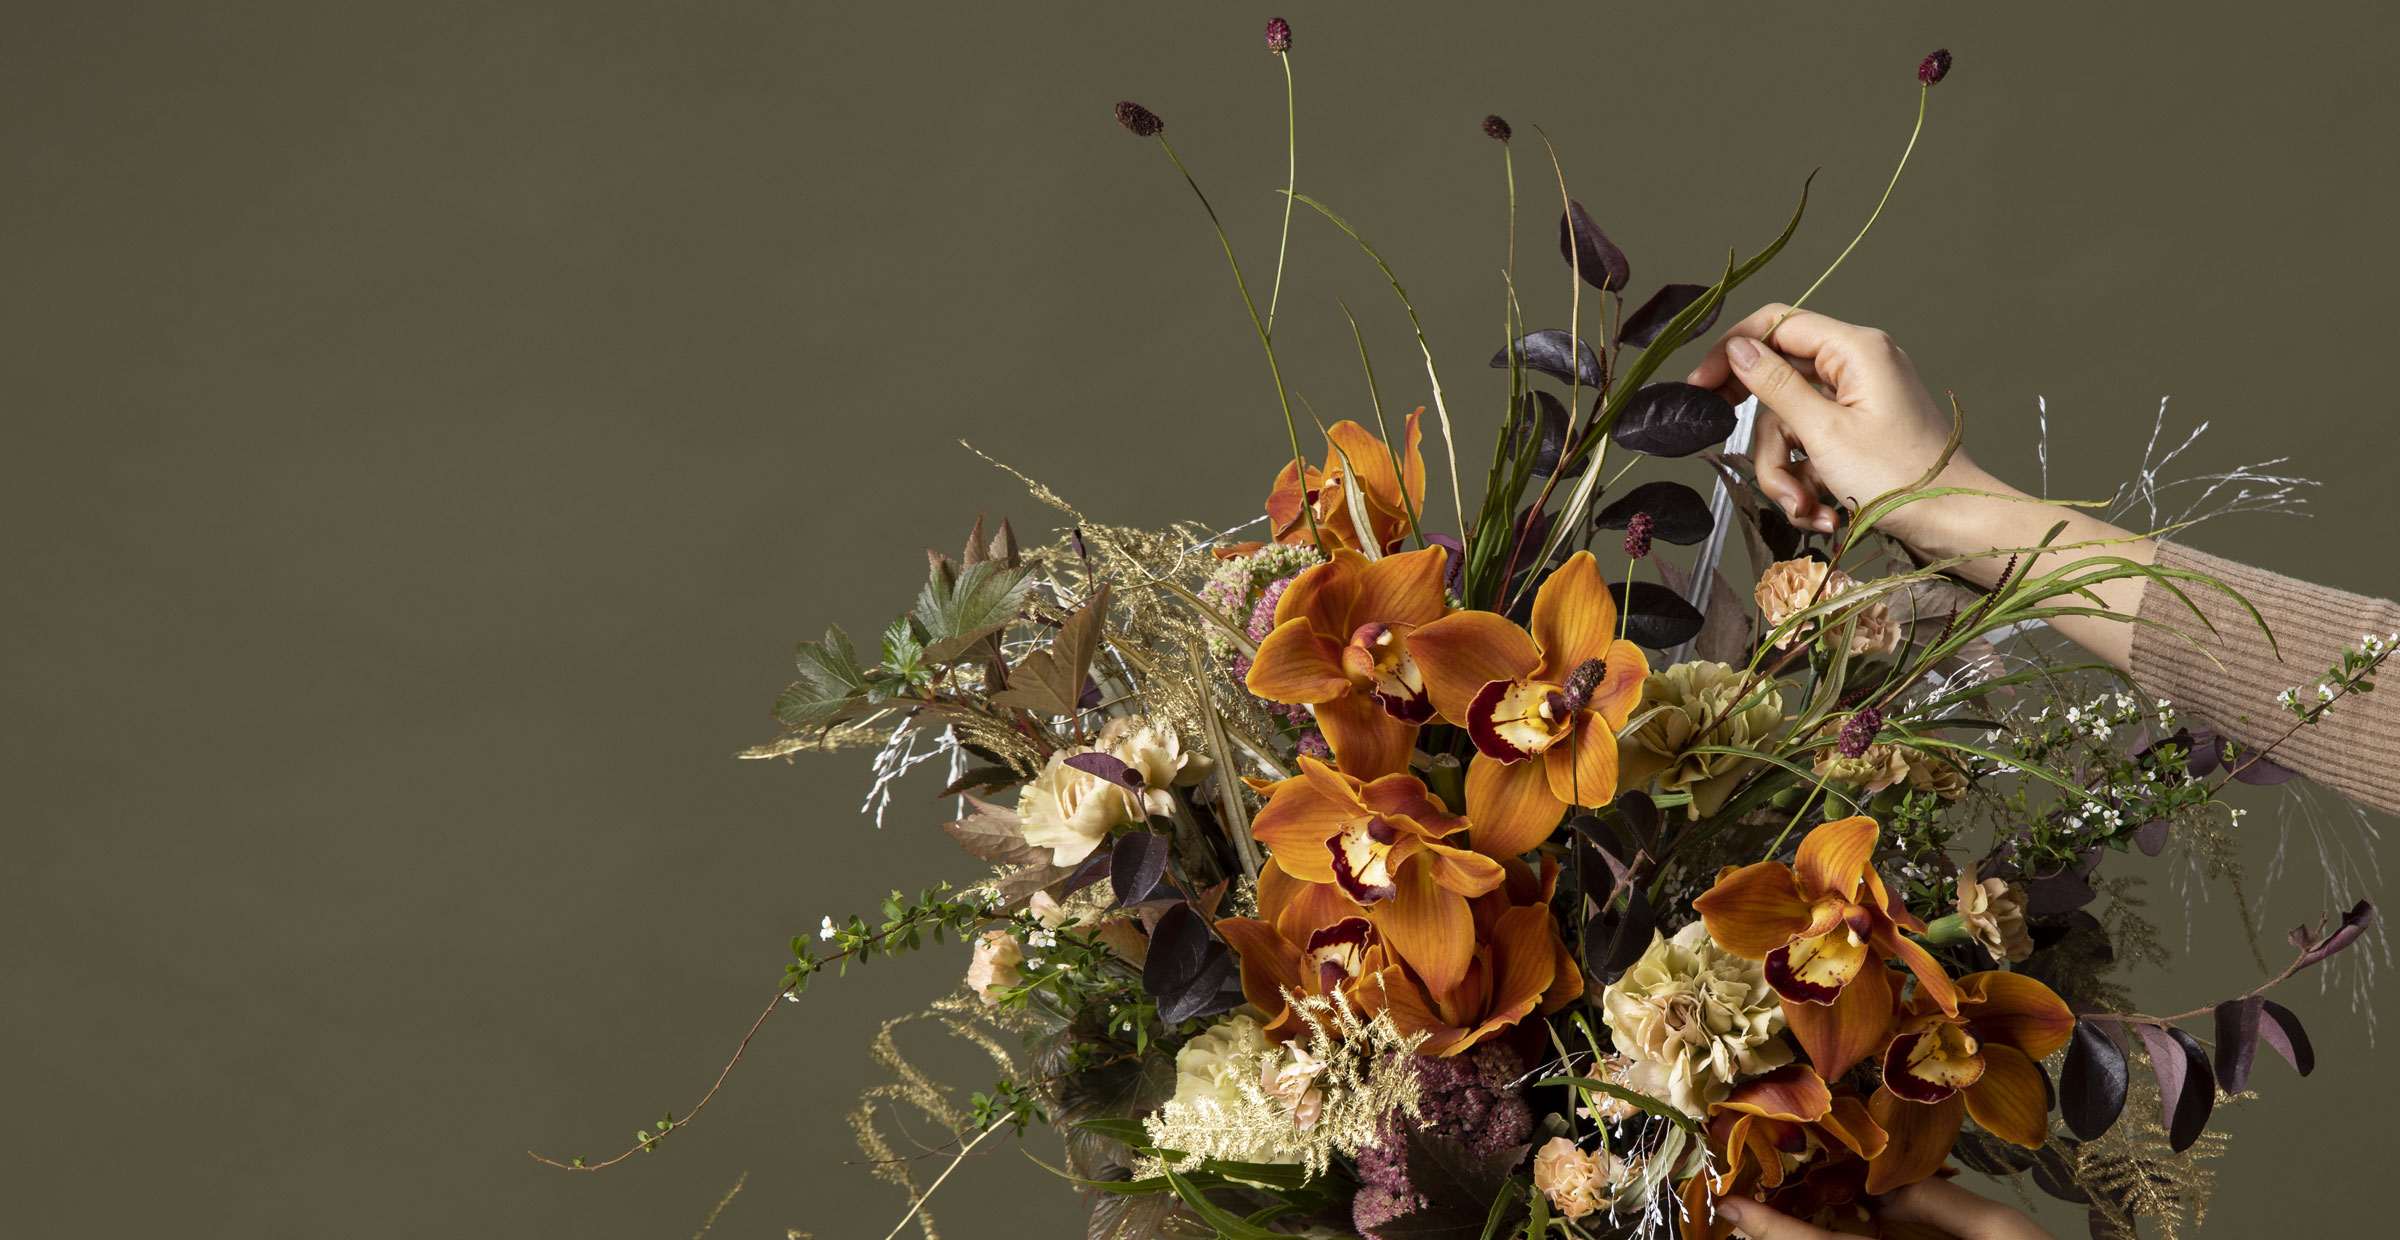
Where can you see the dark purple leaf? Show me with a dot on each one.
(2151, 836)
(2280, 1029)
(1646, 323)
(2187, 1090)
(1093, 869)
(1136, 865)
(1589, 251)
(2237, 1040)
(1656, 616)
(1547, 352)
(1454, 565)
(1673, 419)
(1618, 937)
(1110, 768)
(2208, 754)
(1677, 513)
(2063, 892)
(1188, 968)
(1640, 814)
(1539, 413)
(2354, 924)
(2091, 1083)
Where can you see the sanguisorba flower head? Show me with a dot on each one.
(1382, 843)
(1934, 67)
(1340, 644)
(1739, 711)
(1694, 1019)
(1354, 457)
(1142, 121)
(1543, 706)
(1824, 925)
(1984, 1060)
(1279, 35)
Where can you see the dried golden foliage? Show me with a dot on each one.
(1367, 1080)
(965, 1017)
(2131, 1173)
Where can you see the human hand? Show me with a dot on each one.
(1934, 1203)
(1848, 398)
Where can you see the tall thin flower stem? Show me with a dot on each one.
(1266, 340)
(1291, 176)
(1802, 299)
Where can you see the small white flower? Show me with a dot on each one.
(825, 929)
(2325, 692)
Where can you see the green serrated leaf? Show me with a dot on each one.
(983, 600)
(829, 680)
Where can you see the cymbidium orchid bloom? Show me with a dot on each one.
(1340, 644)
(1982, 1060)
(1518, 965)
(1380, 841)
(1391, 496)
(1788, 1140)
(1824, 925)
(1308, 938)
(1543, 707)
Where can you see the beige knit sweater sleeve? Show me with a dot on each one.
(2230, 679)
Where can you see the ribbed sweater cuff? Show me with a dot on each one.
(2229, 677)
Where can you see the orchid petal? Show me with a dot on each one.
(1511, 807)
(1467, 873)
(1466, 650)
(1428, 927)
(1932, 982)
(1296, 664)
(2015, 1010)
(1526, 965)
(1327, 594)
(1624, 670)
(1816, 970)
(1404, 796)
(1856, 1025)
(1270, 963)
(1920, 1138)
(1583, 767)
(1754, 910)
(1792, 1092)
(1295, 823)
(1850, 1124)
(1412, 1011)
(1367, 741)
(1403, 589)
(1574, 617)
(2012, 1099)
(1832, 857)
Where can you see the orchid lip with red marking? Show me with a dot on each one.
(1338, 951)
(1788, 982)
(1513, 720)
(1362, 852)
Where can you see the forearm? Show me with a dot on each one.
(2004, 520)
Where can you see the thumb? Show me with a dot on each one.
(1776, 385)
(1760, 1221)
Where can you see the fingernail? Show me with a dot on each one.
(1732, 1209)
(1743, 353)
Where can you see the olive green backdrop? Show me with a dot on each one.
(428, 427)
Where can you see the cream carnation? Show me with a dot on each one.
(1577, 1182)
(1069, 811)
(1792, 586)
(1694, 1018)
(1157, 755)
(1994, 912)
(1213, 1069)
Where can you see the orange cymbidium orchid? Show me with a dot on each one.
(1340, 644)
(1380, 842)
(1308, 939)
(1824, 926)
(1394, 499)
(1788, 1140)
(1983, 1060)
(1520, 965)
(1543, 707)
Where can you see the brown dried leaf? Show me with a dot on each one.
(1050, 681)
(995, 835)
(1725, 636)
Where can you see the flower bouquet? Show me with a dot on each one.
(1414, 870)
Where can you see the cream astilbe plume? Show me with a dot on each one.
(1364, 1080)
